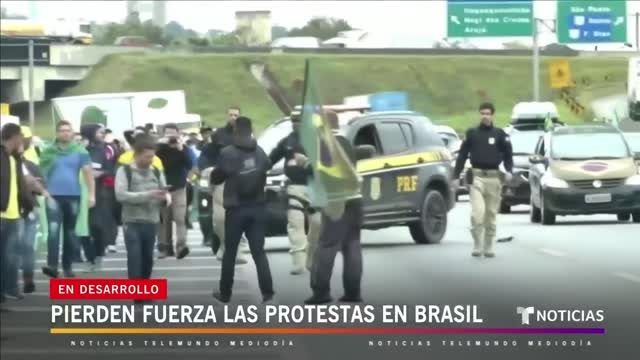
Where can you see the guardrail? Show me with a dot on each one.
(381, 51)
(83, 55)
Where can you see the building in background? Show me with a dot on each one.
(254, 27)
(157, 8)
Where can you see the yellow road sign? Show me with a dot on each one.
(560, 74)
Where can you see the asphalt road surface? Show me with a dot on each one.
(582, 262)
(585, 263)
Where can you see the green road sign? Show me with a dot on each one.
(493, 18)
(592, 21)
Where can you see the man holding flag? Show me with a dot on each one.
(334, 187)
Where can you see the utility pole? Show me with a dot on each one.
(32, 120)
(536, 62)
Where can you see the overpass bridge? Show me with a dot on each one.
(56, 66)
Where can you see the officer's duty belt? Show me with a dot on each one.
(485, 173)
(303, 202)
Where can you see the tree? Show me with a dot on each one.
(198, 42)
(278, 32)
(322, 28)
(176, 31)
(213, 33)
(225, 40)
(132, 27)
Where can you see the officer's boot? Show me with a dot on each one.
(489, 241)
(29, 285)
(477, 245)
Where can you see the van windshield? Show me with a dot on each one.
(524, 142)
(588, 146)
(633, 140)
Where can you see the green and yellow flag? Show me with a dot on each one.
(548, 123)
(334, 179)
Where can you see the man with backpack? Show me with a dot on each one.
(243, 167)
(142, 191)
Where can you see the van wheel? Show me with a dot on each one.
(548, 216)
(504, 208)
(624, 216)
(636, 217)
(535, 214)
(433, 220)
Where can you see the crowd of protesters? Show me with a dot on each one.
(79, 191)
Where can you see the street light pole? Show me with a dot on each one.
(32, 120)
(536, 62)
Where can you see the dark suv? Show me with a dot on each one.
(406, 173)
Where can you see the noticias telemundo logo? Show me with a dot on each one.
(529, 315)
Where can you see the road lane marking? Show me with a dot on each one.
(552, 252)
(627, 276)
(124, 259)
(160, 268)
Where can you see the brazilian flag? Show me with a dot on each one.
(548, 123)
(334, 179)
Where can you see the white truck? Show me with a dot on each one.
(124, 111)
(63, 30)
(633, 88)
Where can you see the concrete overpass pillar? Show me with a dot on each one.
(38, 84)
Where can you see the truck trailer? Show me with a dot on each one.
(61, 30)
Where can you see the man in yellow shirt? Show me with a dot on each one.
(127, 157)
(12, 201)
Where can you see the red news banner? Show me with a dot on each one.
(108, 289)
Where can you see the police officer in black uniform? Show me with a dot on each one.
(487, 147)
(243, 168)
(220, 139)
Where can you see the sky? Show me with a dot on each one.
(426, 18)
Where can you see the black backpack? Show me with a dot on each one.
(117, 206)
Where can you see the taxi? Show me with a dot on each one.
(406, 171)
(582, 170)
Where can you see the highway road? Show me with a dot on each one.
(585, 263)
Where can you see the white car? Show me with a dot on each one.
(450, 138)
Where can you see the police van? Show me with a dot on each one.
(405, 166)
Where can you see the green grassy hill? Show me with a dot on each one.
(445, 88)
